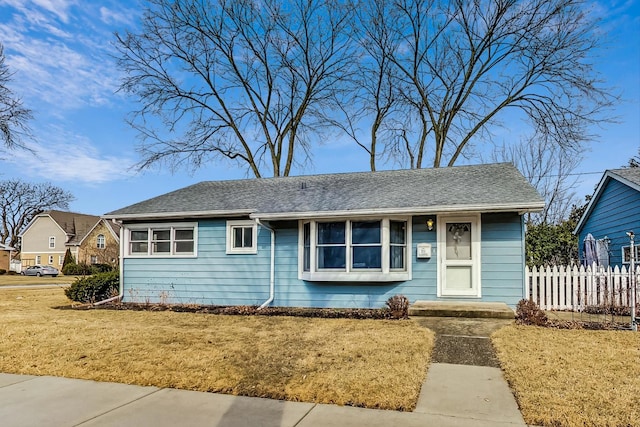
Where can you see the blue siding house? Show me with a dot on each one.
(613, 211)
(338, 240)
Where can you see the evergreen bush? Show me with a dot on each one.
(94, 288)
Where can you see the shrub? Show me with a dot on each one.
(529, 313)
(68, 259)
(2, 271)
(73, 269)
(399, 306)
(94, 288)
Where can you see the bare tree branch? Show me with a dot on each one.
(20, 202)
(244, 81)
(460, 66)
(14, 117)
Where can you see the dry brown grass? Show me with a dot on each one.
(369, 363)
(17, 279)
(572, 377)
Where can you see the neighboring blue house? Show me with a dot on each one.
(340, 240)
(613, 211)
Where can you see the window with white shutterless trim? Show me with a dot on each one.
(242, 237)
(355, 249)
(162, 240)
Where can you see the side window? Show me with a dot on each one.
(100, 241)
(161, 240)
(52, 242)
(242, 237)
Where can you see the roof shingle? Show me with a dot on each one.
(486, 187)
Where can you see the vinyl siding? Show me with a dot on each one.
(615, 212)
(215, 277)
(502, 258)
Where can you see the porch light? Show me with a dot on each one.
(430, 224)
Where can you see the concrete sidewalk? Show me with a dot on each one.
(52, 401)
(464, 388)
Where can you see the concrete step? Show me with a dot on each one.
(495, 310)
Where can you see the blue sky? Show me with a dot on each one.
(61, 54)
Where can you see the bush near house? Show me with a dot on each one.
(73, 269)
(94, 288)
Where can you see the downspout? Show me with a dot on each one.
(272, 277)
(121, 281)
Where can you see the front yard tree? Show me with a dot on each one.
(250, 82)
(21, 201)
(462, 67)
(13, 116)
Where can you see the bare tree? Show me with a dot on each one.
(20, 202)
(13, 116)
(549, 168)
(462, 65)
(247, 81)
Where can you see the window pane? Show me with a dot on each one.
(161, 234)
(161, 247)
(184, 247)
(184, 234)
(397, 232)
(237, 237)
(331, 257)
(248, 237)
(331, 233)
(138, 235)
(365, 232)
(367, 257)
(397, 257)
(306, 237)
(139, 247)
(459, 241)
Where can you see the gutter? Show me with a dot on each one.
(272, 277)
(121, 281)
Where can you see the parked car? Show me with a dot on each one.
(40, 270)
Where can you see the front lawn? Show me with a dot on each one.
(572, 377)
(369, 363)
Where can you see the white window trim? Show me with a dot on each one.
(475, 251)
(101, 243)
(150, 226)
(385, 274)
(52, 242)
(231, 224)
(636, 249)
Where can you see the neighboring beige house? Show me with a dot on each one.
(47, 237)
(101, 245)
(5, 257)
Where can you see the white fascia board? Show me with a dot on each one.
(178, 215)
(431, 210)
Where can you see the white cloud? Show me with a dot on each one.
(67, 157)
(110, 16)
(61, 53)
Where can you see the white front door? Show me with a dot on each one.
(459, 256)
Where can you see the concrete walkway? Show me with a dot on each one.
(453, 395)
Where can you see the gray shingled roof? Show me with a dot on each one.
(491, 187)
(630, 174)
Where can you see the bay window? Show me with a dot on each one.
(345, 250)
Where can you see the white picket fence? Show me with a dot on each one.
(574, 288)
